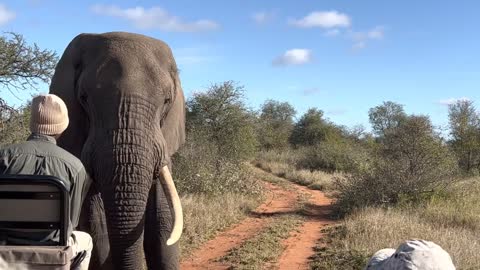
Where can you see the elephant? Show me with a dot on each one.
(127, 118)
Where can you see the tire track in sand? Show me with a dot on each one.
(279, 201)
(299, 247)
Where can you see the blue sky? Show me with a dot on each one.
(343, 57)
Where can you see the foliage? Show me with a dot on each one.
(21, 67)
(311, 129)
(386, 117)
(340, 155)
(413, 163)
(275, 124)
(222, 117)
(199, 167)
(220, 137)
(465, 132)
(14, 124)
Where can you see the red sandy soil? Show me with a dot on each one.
(298, 247)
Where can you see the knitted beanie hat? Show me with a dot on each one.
(49, 115)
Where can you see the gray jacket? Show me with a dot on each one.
(40, 155)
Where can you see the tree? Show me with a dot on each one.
(22, 66)
(465, 132)
(416, 157)
(275, 124)
(14, 126)
(221, 115)
(311, 129)
(385, 117)
(413, 163)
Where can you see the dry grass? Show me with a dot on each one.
(450, 220)
(313, 179)
(389, 228)
(286, 156)
(205, 215)
(260, 173)
(264, 248)
(459, 206)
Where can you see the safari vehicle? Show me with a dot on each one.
(38, 205)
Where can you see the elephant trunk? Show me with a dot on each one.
(125, 165)
(128, 177)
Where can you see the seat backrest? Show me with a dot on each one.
(34, 203)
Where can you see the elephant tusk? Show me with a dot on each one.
(177, 207)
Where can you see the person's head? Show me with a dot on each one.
(49, 115)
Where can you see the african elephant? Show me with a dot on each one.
(127, 117)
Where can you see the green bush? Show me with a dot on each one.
(287, 156)
(413, 163)
(220, 115)
(335, 155)
(220, 138)
(313, 128)
(14, 125)
(198, 168)
(275, 124)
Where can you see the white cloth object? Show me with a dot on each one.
(81, 241)
(412, 255)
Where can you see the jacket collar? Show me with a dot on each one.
(42, 137)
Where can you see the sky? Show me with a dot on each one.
(342, 57)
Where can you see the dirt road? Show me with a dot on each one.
(297, 248)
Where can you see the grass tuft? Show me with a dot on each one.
(266, 247)
(312, 179)
(368, 230)
(206, 215)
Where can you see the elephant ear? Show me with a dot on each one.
(173, 124)
(64, 85)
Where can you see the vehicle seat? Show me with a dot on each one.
(37, 206)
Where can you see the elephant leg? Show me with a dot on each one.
(158, 226)
(93, 221)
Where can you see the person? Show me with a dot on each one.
(40, 155)
(413, 254)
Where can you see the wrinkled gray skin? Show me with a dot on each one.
(127, 117)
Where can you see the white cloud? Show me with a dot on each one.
(6, 15)
(191, 56)
(154, 18)
(324, 19)
(361, 39)
(359, 45)
(294, 57)
(332, 33)
(451, 101)
(263, 17)
(376, 33)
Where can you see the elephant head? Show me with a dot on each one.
(127, 117)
